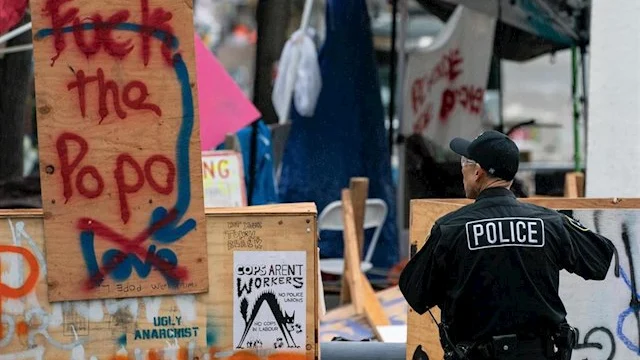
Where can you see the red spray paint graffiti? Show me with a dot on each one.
(448, 69)
(121, 34)
(182, 353)
(153, 19)
(124, 187)
(134, 95)
(29, 284)
(130, 247)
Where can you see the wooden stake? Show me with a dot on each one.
(574, 185)
(351, 261)
(361, 292)
(358, 189)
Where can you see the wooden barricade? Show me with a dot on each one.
(119, 145)
(596, 308)
(263, 279)
(361, 293)
(574, 185)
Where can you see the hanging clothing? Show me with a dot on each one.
(346, 136)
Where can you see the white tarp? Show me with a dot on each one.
(445, 84)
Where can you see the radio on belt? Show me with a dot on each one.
(508, 231)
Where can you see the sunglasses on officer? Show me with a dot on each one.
(464, 161)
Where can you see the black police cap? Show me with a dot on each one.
(493, 150)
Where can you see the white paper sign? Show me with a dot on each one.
(223, 179)
(269, 299)
(445, 84)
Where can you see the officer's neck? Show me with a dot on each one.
(495, 183)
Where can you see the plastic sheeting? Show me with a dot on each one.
(264, 189)
(346, 136)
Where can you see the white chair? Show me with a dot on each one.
(331, 219)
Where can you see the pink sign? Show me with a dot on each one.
(11, 12)
(223, 106)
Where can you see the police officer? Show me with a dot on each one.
(493, 266)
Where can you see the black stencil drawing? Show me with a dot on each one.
(420, 354)
(254, 344)
(285, 321)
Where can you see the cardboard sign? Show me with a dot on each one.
(445, 84)
(223, 178)
(119, 147)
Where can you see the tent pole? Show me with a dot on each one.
(498, 31)
(585, 93)
(500, 97)
(392, 73)
(576, 113)
(402, 220)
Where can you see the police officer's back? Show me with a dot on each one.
(493, 266)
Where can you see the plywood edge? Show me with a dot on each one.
(21, 213)
(310, 208)
(306, 208)
(276, 209)
(553, 203)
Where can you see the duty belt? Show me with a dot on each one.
(505, 346)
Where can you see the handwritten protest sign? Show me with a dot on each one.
(223, 179)
(445, 84)
(119, 146)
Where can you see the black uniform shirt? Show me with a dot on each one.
(493, 266)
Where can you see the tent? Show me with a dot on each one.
(527, 28)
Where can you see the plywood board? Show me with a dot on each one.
(362, 294)
(421, 328)
(358, 190)
(351, 274)
(600, 310)
(119, 147)
(186, 326)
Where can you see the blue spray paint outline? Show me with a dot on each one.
(170, 232)
(623, 316)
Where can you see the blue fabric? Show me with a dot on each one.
(539, 21)
(346, 136)
(264, 191)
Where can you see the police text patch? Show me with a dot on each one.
(498, 232)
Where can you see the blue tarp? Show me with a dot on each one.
(346, 136)
(264, 190)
